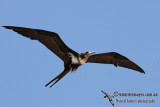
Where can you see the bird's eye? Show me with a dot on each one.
(87, 52)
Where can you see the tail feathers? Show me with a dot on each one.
(60, 76)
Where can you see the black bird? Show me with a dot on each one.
(72, 60)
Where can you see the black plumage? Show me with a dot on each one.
(72, 60)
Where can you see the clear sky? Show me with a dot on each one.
(129, 27)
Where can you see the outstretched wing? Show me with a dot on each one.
(50, 39)
(116, 59)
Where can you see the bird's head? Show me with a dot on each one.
(86, 54)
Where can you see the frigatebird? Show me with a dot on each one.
(72, 59)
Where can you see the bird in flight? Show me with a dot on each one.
(72, 60)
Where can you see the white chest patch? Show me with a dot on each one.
(74, 60)
(77, 60)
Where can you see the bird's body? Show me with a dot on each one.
(72, 60)
(79, 60)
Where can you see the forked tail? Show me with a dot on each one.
(60, 76)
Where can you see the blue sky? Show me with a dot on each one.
(129, 27)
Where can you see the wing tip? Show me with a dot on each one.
(141, 71)
(7, 27)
